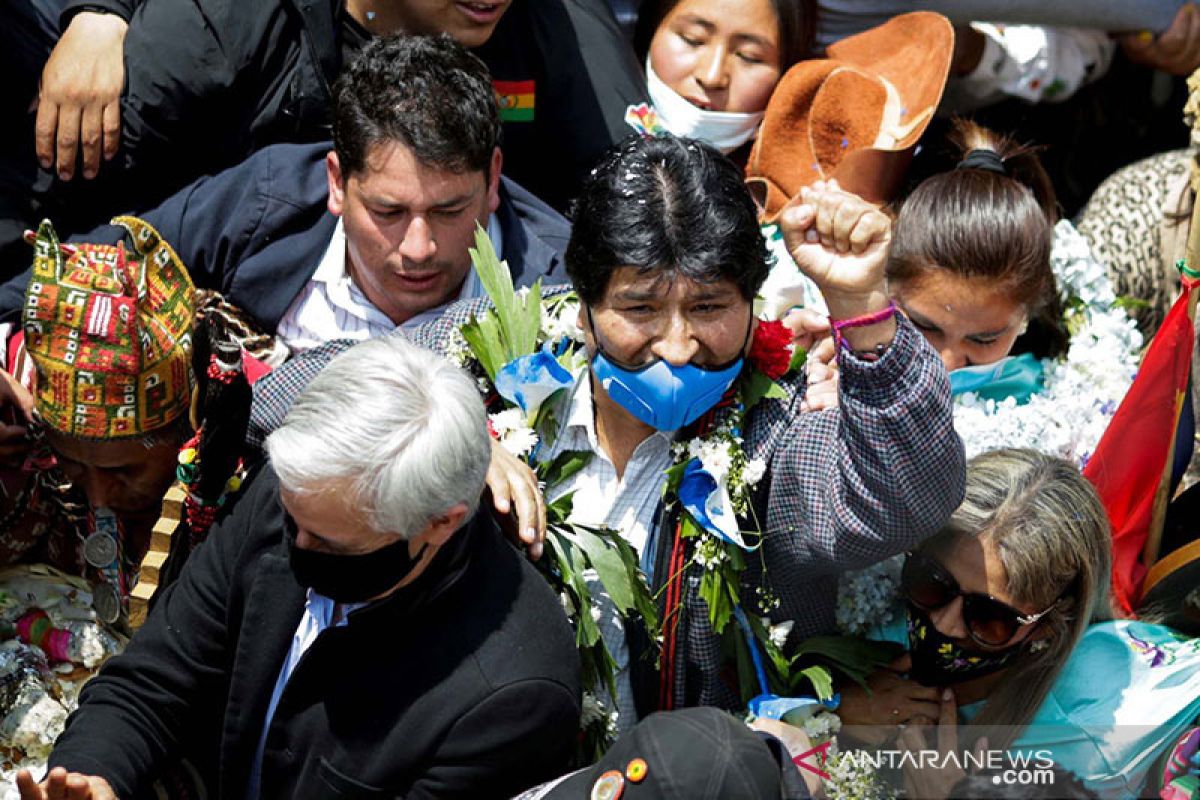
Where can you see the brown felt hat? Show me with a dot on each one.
(855, 115)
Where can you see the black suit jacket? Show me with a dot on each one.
(463, 684)
(256, 232)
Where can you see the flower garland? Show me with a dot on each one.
(1083, 390)
(526, 353)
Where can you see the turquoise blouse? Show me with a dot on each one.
(1127, 693)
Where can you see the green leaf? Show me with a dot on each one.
(734, 640)
(674, 478)
(758, 386)
(496, 279)
(717, 593)
(851, 656)
(850, 652)
(546, 420)
(483, 337)
(517, 319)
(606, 560)
(1131, 304)
(564, 465)
(597, 664)
(688, 528)
(558, 511)
(821, 680)
(527, 321)
(799, 356)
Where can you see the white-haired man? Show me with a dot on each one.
(353, 626)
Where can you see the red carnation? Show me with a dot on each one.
(771, 350)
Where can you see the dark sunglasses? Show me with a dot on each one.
(991, 623)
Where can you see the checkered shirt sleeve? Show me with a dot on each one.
(851, 486)
(845, 488)
(275, 392)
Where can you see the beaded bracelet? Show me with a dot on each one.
(874, 318)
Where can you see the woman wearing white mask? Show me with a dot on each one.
(711, 65)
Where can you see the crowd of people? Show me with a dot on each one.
(590, 399)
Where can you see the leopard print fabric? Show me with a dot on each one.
(1123, 222)
(1137, 223)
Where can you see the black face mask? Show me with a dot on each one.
(350, 579)
(938, 661)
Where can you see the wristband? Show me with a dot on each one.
(866, 320)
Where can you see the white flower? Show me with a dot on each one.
(519, 442)
(710, 552)
(853, 779)
(754, 470)
(778, 634)
(515, 436)
(867, 598)
(1082, 392)
(560, 322)
(716, 458)
(822, 725)
(511, 419)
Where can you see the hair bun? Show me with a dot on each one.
(983, 158)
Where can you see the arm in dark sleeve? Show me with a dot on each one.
(136, 710)
(519, 736)
(853, 485)
(611, 68)
(121, 8)
(208, 224)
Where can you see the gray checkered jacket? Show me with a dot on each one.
(844, 488)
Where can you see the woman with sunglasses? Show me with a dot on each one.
(1008, 629)
(996, 601)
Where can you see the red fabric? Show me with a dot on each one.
(770, 352)
(253, 368)
(1129, 461)
(672, 611)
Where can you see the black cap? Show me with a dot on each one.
(689, 754)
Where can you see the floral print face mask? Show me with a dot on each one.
(938, 661)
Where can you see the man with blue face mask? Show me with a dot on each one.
(666, 258)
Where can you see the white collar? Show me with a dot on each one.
(342, 290)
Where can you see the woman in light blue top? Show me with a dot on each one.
(1007, 625)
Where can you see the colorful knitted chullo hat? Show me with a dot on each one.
(110, 333)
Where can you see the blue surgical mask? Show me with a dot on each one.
(661, 395)
(1019, 377)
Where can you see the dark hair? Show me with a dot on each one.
(797, 21)
(990, 225)
(665, 203)
(426, 92)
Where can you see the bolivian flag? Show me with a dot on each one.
(515, 99)
(1135, 468)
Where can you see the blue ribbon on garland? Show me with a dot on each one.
(767, 704)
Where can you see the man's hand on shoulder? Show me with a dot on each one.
(514, 487)
(63, 785)
(79, 103)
